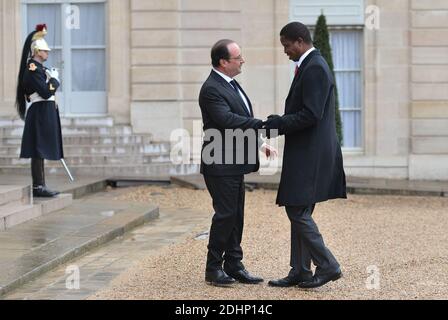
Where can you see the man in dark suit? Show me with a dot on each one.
(230, 150)
(312, 162)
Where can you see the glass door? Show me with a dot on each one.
(77, 37)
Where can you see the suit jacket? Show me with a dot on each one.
(223, 109)
(312, 161)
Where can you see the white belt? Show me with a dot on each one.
(35, 97)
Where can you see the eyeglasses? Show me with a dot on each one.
(236, 58)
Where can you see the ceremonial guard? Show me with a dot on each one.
(36, 104)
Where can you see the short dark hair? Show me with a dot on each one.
(295, 30)
(220, 51)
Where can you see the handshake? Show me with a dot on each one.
(273, 126)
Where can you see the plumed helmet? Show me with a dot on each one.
(33, 43)
(39, 42)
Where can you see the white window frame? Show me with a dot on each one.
(360, 149)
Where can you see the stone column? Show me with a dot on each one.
(119, 47)
(429, 83)
(10, 51)
(386, 96)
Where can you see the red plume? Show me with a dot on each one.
(41, 27)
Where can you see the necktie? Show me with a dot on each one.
(296, 72)
(233, 83)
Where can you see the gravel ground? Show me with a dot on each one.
(404, 239)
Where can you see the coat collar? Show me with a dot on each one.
(224, 76)
(231, 90)
(303, 57)
(302, 67)
(306, 61)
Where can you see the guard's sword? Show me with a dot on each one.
(68, 171)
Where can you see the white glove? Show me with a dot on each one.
(53, 73)
(269, 151)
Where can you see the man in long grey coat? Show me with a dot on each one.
(312, 169)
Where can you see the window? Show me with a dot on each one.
(347, 59)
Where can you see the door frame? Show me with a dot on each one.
(67, 95)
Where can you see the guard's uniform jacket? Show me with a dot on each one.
(42, 137)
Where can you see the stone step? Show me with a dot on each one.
(57, 203)
(14, 132)
(93, 160)
(66, 121)
(89, 121)
(14, 194)
(81, 187)
(17, 206)
(88, 140)
(45, 243)
(17, 214)
(107, 149)
(152, 170)
(6, 123)
(13, 204)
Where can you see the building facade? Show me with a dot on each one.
(142, 62)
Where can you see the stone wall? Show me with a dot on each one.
(386, 96)
(429, 83)
(170, 52)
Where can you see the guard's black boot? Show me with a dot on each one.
(38, 174)
(43, 192)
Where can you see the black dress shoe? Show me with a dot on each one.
(286, 282)
(319, 281)
(44, 192)
(244, 276)
(218, 278)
